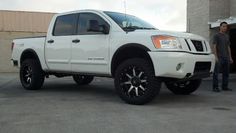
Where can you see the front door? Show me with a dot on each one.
(90, 49)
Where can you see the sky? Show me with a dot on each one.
(163, 14)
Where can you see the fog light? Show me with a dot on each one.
(179, 66)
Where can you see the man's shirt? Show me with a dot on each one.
(221, 40)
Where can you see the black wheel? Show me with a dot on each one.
(83, 79)
(184, 87)
(31, 75)
(135, 81)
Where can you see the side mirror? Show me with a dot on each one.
(95, 27)
(105, 29)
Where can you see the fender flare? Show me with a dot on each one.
(31, 51)
(125, 46)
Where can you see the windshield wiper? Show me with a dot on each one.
(149, 28)
(133, 28)
(130, 28)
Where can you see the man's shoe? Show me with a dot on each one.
(227, 89)
(216, 89)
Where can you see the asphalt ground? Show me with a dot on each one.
(61, 106)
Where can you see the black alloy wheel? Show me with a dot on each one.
(31, 75)
(183, 87)
(135, 81)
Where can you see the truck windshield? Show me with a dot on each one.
(129, 22)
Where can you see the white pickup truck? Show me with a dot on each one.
(139, 57)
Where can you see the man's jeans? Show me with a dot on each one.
(222, 64)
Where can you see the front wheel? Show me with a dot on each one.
(183, 87)
(135, 81)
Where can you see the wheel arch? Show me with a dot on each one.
(127, 51)
(29, 54)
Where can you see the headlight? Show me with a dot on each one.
(166, 42)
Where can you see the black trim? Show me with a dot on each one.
(71, 73)
(128, 45)
(29, 51)
(15, 62)
(204, 66)
(205, 46)
(201, 75)
(188, 44)
(183, 52)
(132, 45)
(198, 45)
(31, 37)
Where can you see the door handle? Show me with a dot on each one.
(76, 41)
(50, 41)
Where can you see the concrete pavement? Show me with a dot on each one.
(63, 107)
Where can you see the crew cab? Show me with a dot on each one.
(88, 43)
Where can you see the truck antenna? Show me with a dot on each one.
(126, 20)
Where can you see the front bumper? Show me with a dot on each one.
(182, 64)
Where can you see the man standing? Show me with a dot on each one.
(221, 49)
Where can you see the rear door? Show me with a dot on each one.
(58, 44)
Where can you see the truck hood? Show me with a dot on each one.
(170, 33)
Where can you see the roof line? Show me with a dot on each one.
(27, 11)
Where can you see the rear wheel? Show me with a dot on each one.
(135, 81)
(31, 75)
(83, 79)
(183, 87)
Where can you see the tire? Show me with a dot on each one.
(135, 81)
(31, 75)
(184, 88)
(83, 79)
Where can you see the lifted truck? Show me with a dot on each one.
(139, 57)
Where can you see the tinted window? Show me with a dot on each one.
(90, 20)
(129, 22)
(65, 25)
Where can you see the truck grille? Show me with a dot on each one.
(202, 67)
(198, 45)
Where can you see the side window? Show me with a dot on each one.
(90, 20)
(65, 25)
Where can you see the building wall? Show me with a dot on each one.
(233, 8)
(219, 9)
(200, 12)
(24, 21)
(197, 17)
(17, 24)
(5, 48)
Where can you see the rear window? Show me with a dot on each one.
(65, 25)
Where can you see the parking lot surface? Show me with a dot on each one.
(61, 106)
